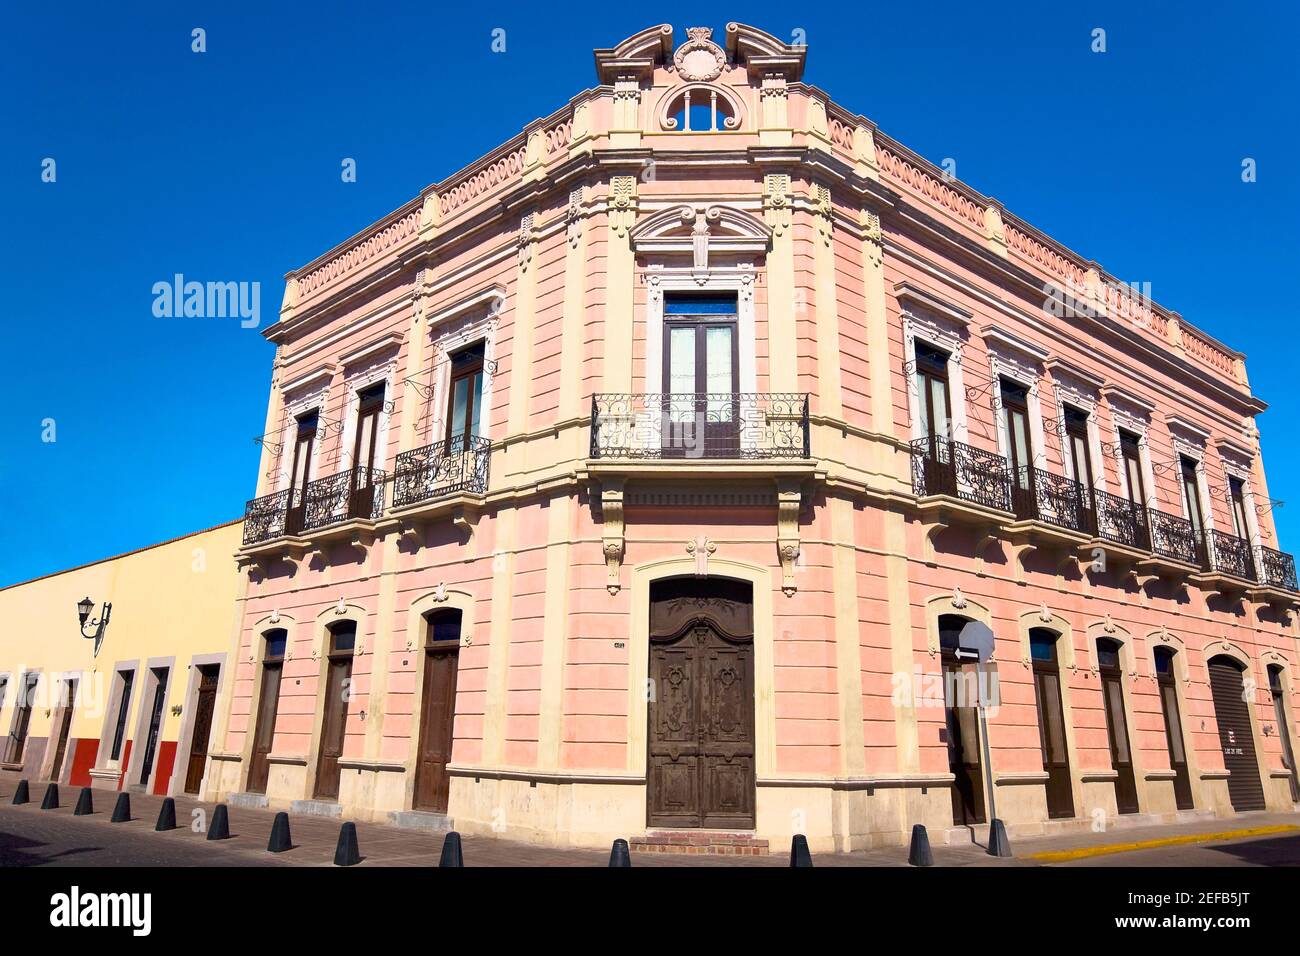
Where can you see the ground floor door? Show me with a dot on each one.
(1121, 756)
(1284, 733)
(155, 724)
(65, 728)
(337, 682)
(437, 714)
(962, 734)
(700, 746)
(208, 674)
(268, 706)
(1231, 711)
(1051, 722)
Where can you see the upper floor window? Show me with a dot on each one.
(275, 643)
(1237, 499)
(932, 391)
(1077, 451)
(465, 397)
(1130, 453)
(1191, 492)
(370, 402)
(343, 638)
(1015, 411)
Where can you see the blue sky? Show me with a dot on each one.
(225, 166)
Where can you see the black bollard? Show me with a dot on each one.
(85, 804)
(347, 853)
(999, 845)
(452, 854)
(21, 795)
(219, 828)
(122, 809)
(619, 855)
(799, 855)
(51, 801)
(166, 816)
(280, 841)
(919, 854)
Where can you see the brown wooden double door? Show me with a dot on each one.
(701, 730)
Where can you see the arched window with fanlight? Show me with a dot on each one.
(1164, 660)
(442, 637)
(701, 108)
(1051, 721)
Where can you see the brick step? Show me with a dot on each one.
(717, 842)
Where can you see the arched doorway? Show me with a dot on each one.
(1232, 712)
(700, 736)
(1164, 657)
(961, 724)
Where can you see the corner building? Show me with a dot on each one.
(638, 479)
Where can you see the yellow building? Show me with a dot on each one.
(127, 699)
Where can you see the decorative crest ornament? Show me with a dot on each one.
(701, 547)
(958, 599)
(699, 59)
(440, 593)
(1044, 614)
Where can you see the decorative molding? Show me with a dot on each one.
(776, 202)
(789, 503)
(699, 59)
(622, 204)
(611, 509)
(700, 548)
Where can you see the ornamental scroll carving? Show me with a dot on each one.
(699, 59)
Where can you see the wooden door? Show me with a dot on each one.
(22, 719)
(701, 731)
(1051, 723)
(1131, 454)
(464, 398)
(268, 705)
(1080, 457)
(701, 410)
(1121, 756)
(1283, 730)
(1173, 728)
(365, 451)
(1231, 710)
(338, 681)
(155, 724)
(962, 736)
(437, 715)
(931, 382)
(208, 675)
(65, 728)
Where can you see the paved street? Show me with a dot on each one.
(30, 836)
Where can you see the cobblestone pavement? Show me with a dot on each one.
(30, 836)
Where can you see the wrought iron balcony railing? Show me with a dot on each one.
(1176, 538)
(1276, 569)
(265, 518)
(1121, 521)
(687, 425)
(1039, 495)
(441, 469)
(1231, 555)
(941, 466)
(355, 493)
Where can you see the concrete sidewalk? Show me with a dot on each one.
(31, 836)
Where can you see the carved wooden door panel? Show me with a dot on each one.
(701, 732)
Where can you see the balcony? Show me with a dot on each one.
(441, 470)
(1276, 578)
(1038, 495)
(1176, 546)
(684, 426)
(1230, 568)
(354, 494)
(945, 468)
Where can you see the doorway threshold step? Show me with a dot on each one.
(250, 801)
(316, 808)
(420, 820)
(716, 842)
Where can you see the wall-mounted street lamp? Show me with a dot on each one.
(84, 607)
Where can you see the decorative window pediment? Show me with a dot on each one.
(701, 233)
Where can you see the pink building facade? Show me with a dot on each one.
(640, 480)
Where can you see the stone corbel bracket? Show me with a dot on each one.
(465, 519)
(789, 502)
(611, 509)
